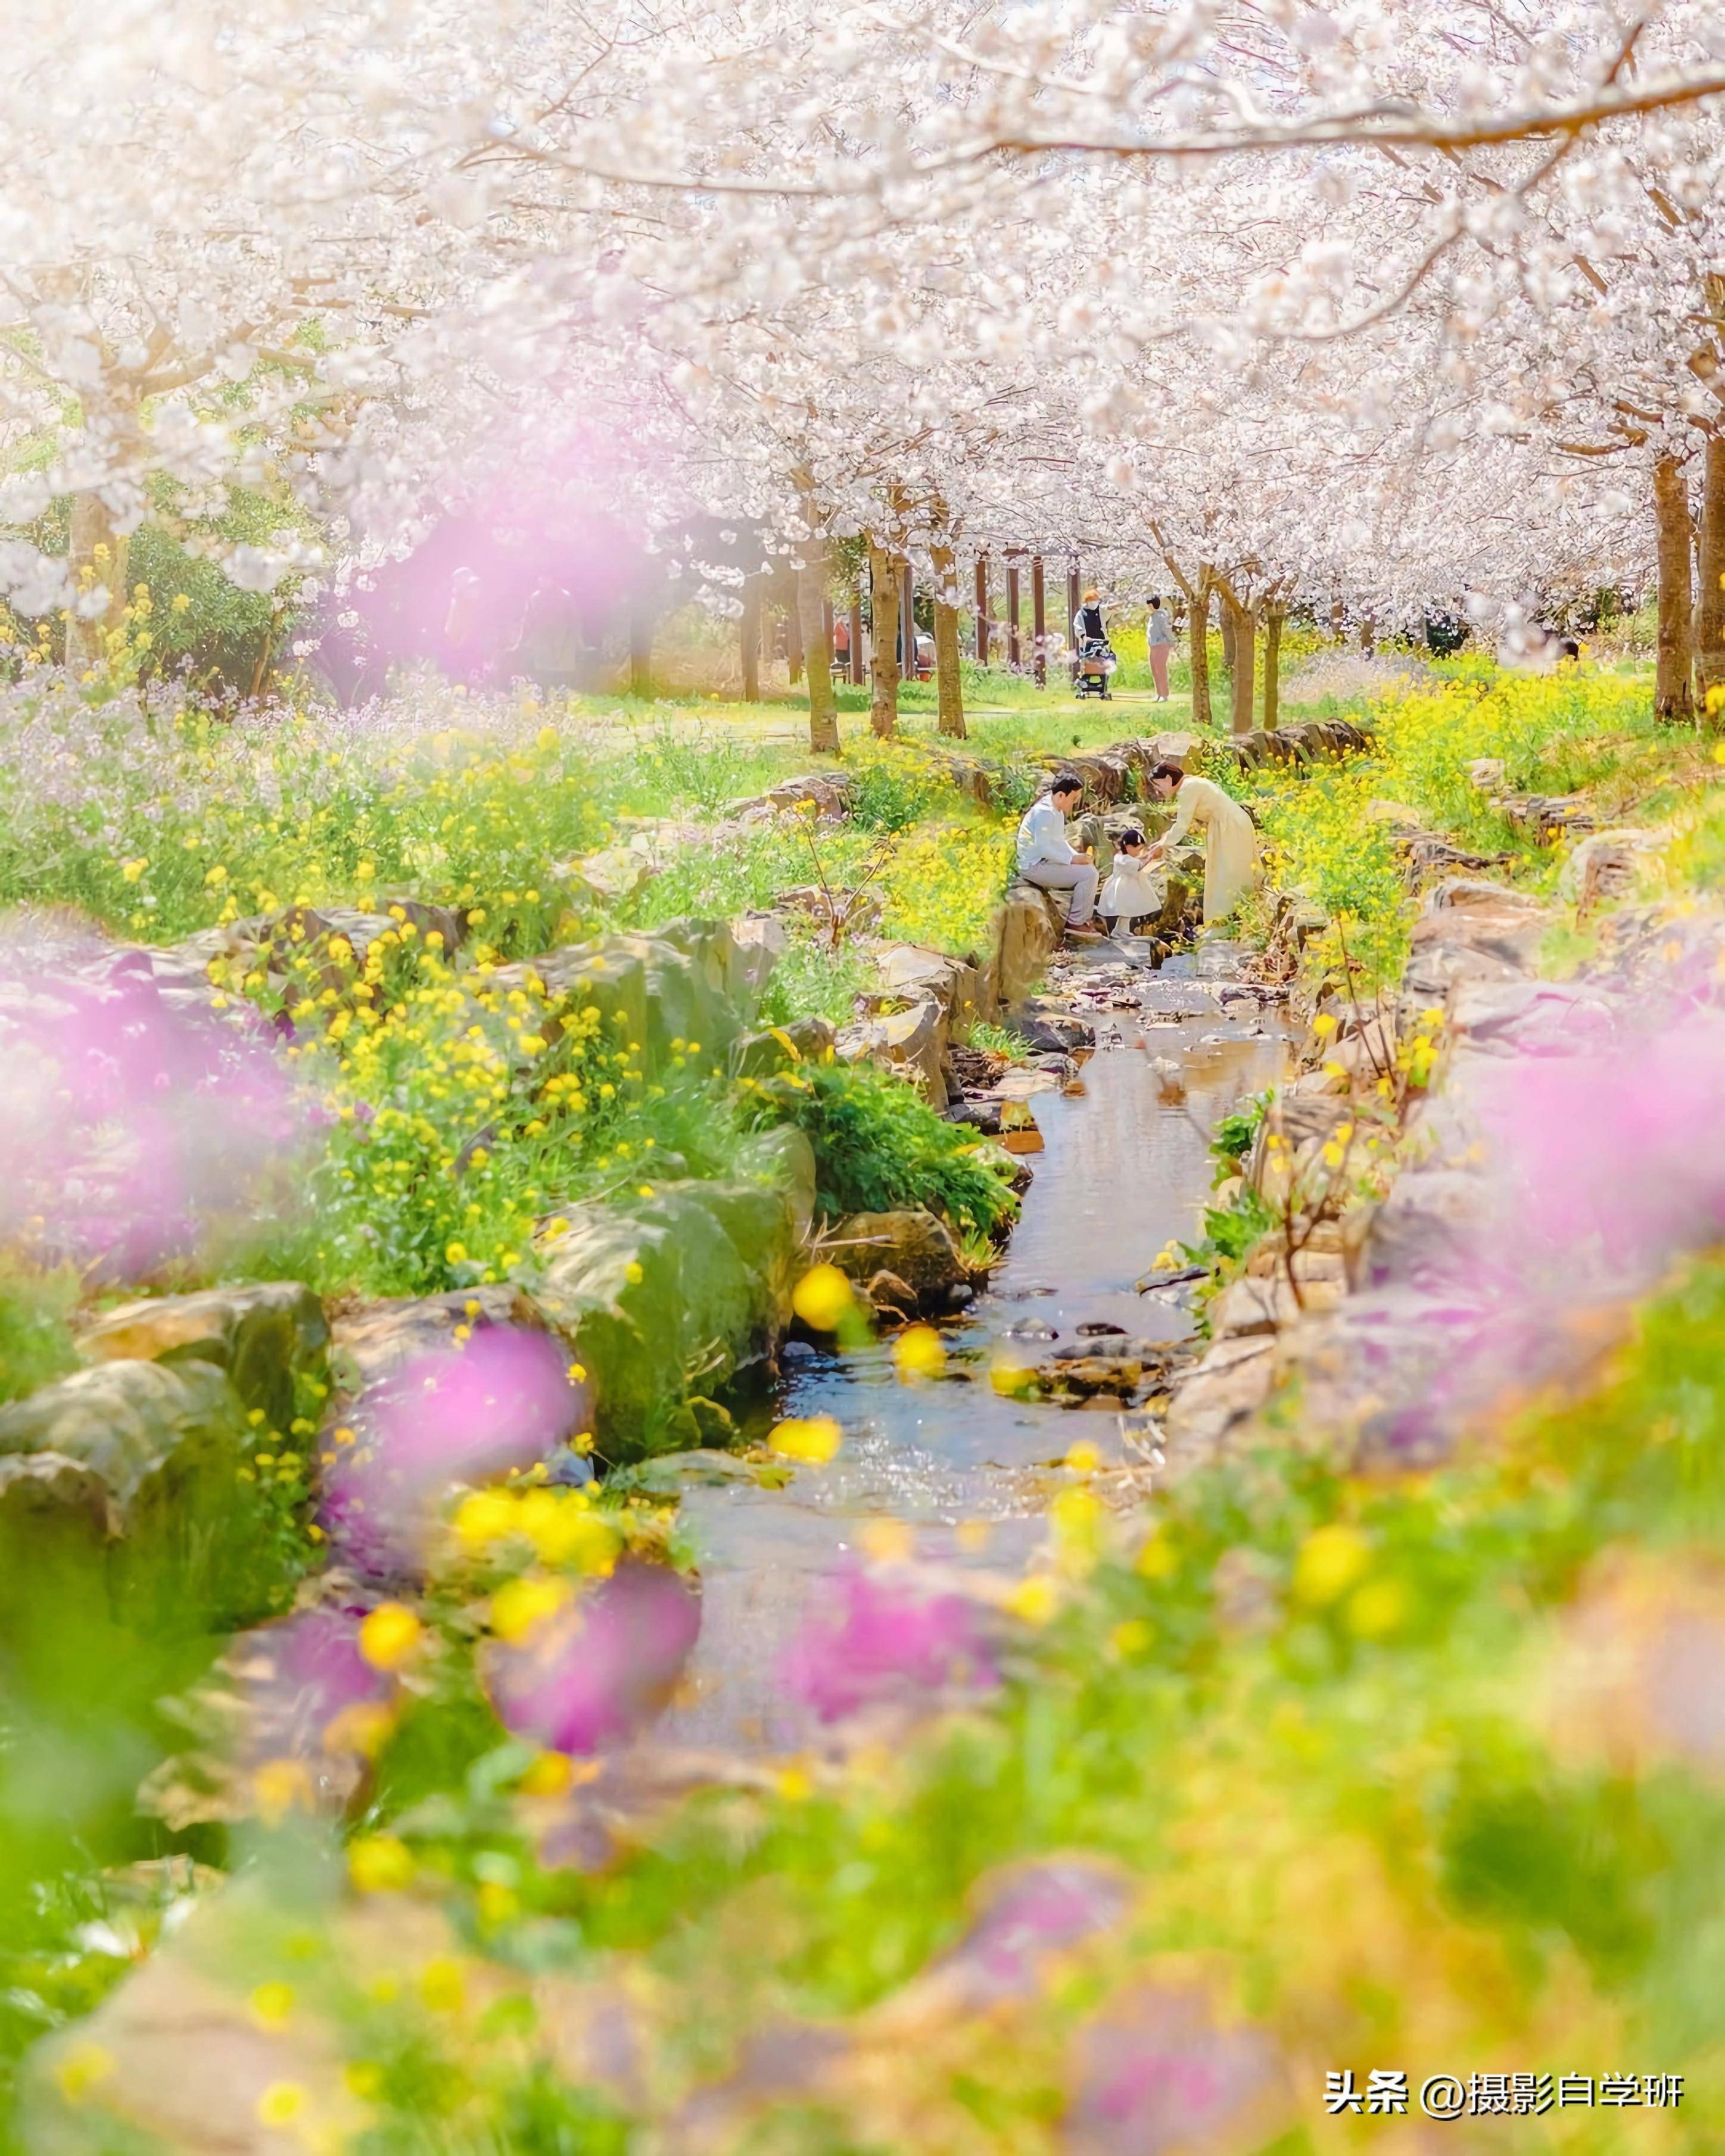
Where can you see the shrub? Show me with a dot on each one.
(896, 785)
(878, 1148)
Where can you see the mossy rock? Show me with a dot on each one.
(264, 1336)
(166, 1443)
(679, 1292)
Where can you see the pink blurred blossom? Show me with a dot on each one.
(603, 1667)
(1609, 1159)
(135, 1121)
(299, 1676)
(1156, 2073)
(1573, 1159)
(877, 1641)
(471, 1414)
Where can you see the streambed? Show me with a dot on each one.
(951, 1471)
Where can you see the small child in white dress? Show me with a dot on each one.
(1135, 886)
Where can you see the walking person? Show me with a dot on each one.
(1230, 842)
(1048, 857)
(1089, 635)
(1159, 641)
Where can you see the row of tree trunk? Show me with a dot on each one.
(809, 643)
(1690, 669)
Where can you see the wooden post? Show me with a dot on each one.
(1039, 623)
(857, 674)
(1012, 614)
(908, 625)
(982, 609)
(1073, 592)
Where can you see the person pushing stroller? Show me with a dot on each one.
(1095, 655)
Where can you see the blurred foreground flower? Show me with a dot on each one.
(1157, 2072)
(599, 1667)
(817, 1439)
(822, 1298)
(1639, 1675)
(875, 1641)
(135, 1125)
(472, 1414)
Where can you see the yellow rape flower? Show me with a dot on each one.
(485, 1517)
(918, 1353)
(281, 2103)
(1330, 1560)
(389, 1636)
(520, 1606)
(380, 1864)
(822, 1298)
(818, 1439)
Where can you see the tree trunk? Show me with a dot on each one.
(1228, 658)
(1368, 635)
(1710, 613)
(1198, 625)
(883, 701)
(1273, 668)
(1039, 623)
(949, 688)
(96, 559)
(750, 630)
(793, 635)
(1245, 639)
(640, 650)
(1673, 700)
(818, 650)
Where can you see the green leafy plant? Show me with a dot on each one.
(878, 1148)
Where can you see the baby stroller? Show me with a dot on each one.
(1095, 665)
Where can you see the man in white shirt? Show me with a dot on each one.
(1047, 859)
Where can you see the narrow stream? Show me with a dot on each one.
(964, 1469)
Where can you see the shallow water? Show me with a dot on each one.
(962, 1467)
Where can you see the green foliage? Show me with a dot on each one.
(998, 1040)
(35, 1334)
(896, 784)
(708, 766)
(811, 980)
(878, 1148)
(1235, 1134)
(1230, 1230)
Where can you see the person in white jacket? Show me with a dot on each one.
(1048, 857)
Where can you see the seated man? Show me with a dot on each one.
(1048, 857)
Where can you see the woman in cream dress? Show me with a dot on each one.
(1230, 843)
